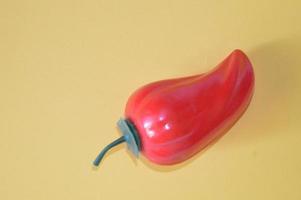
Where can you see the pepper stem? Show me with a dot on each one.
(107, 148)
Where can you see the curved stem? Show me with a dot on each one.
(107, 148)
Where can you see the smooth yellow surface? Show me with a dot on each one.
(68, 67)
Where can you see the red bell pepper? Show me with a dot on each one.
(169, 121)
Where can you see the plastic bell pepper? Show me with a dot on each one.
(169, 121)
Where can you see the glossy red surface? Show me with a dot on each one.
(177, 118)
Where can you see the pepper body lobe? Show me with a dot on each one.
(177, 118)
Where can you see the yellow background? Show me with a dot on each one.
(68, 67)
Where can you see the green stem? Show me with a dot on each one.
(107, 148)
